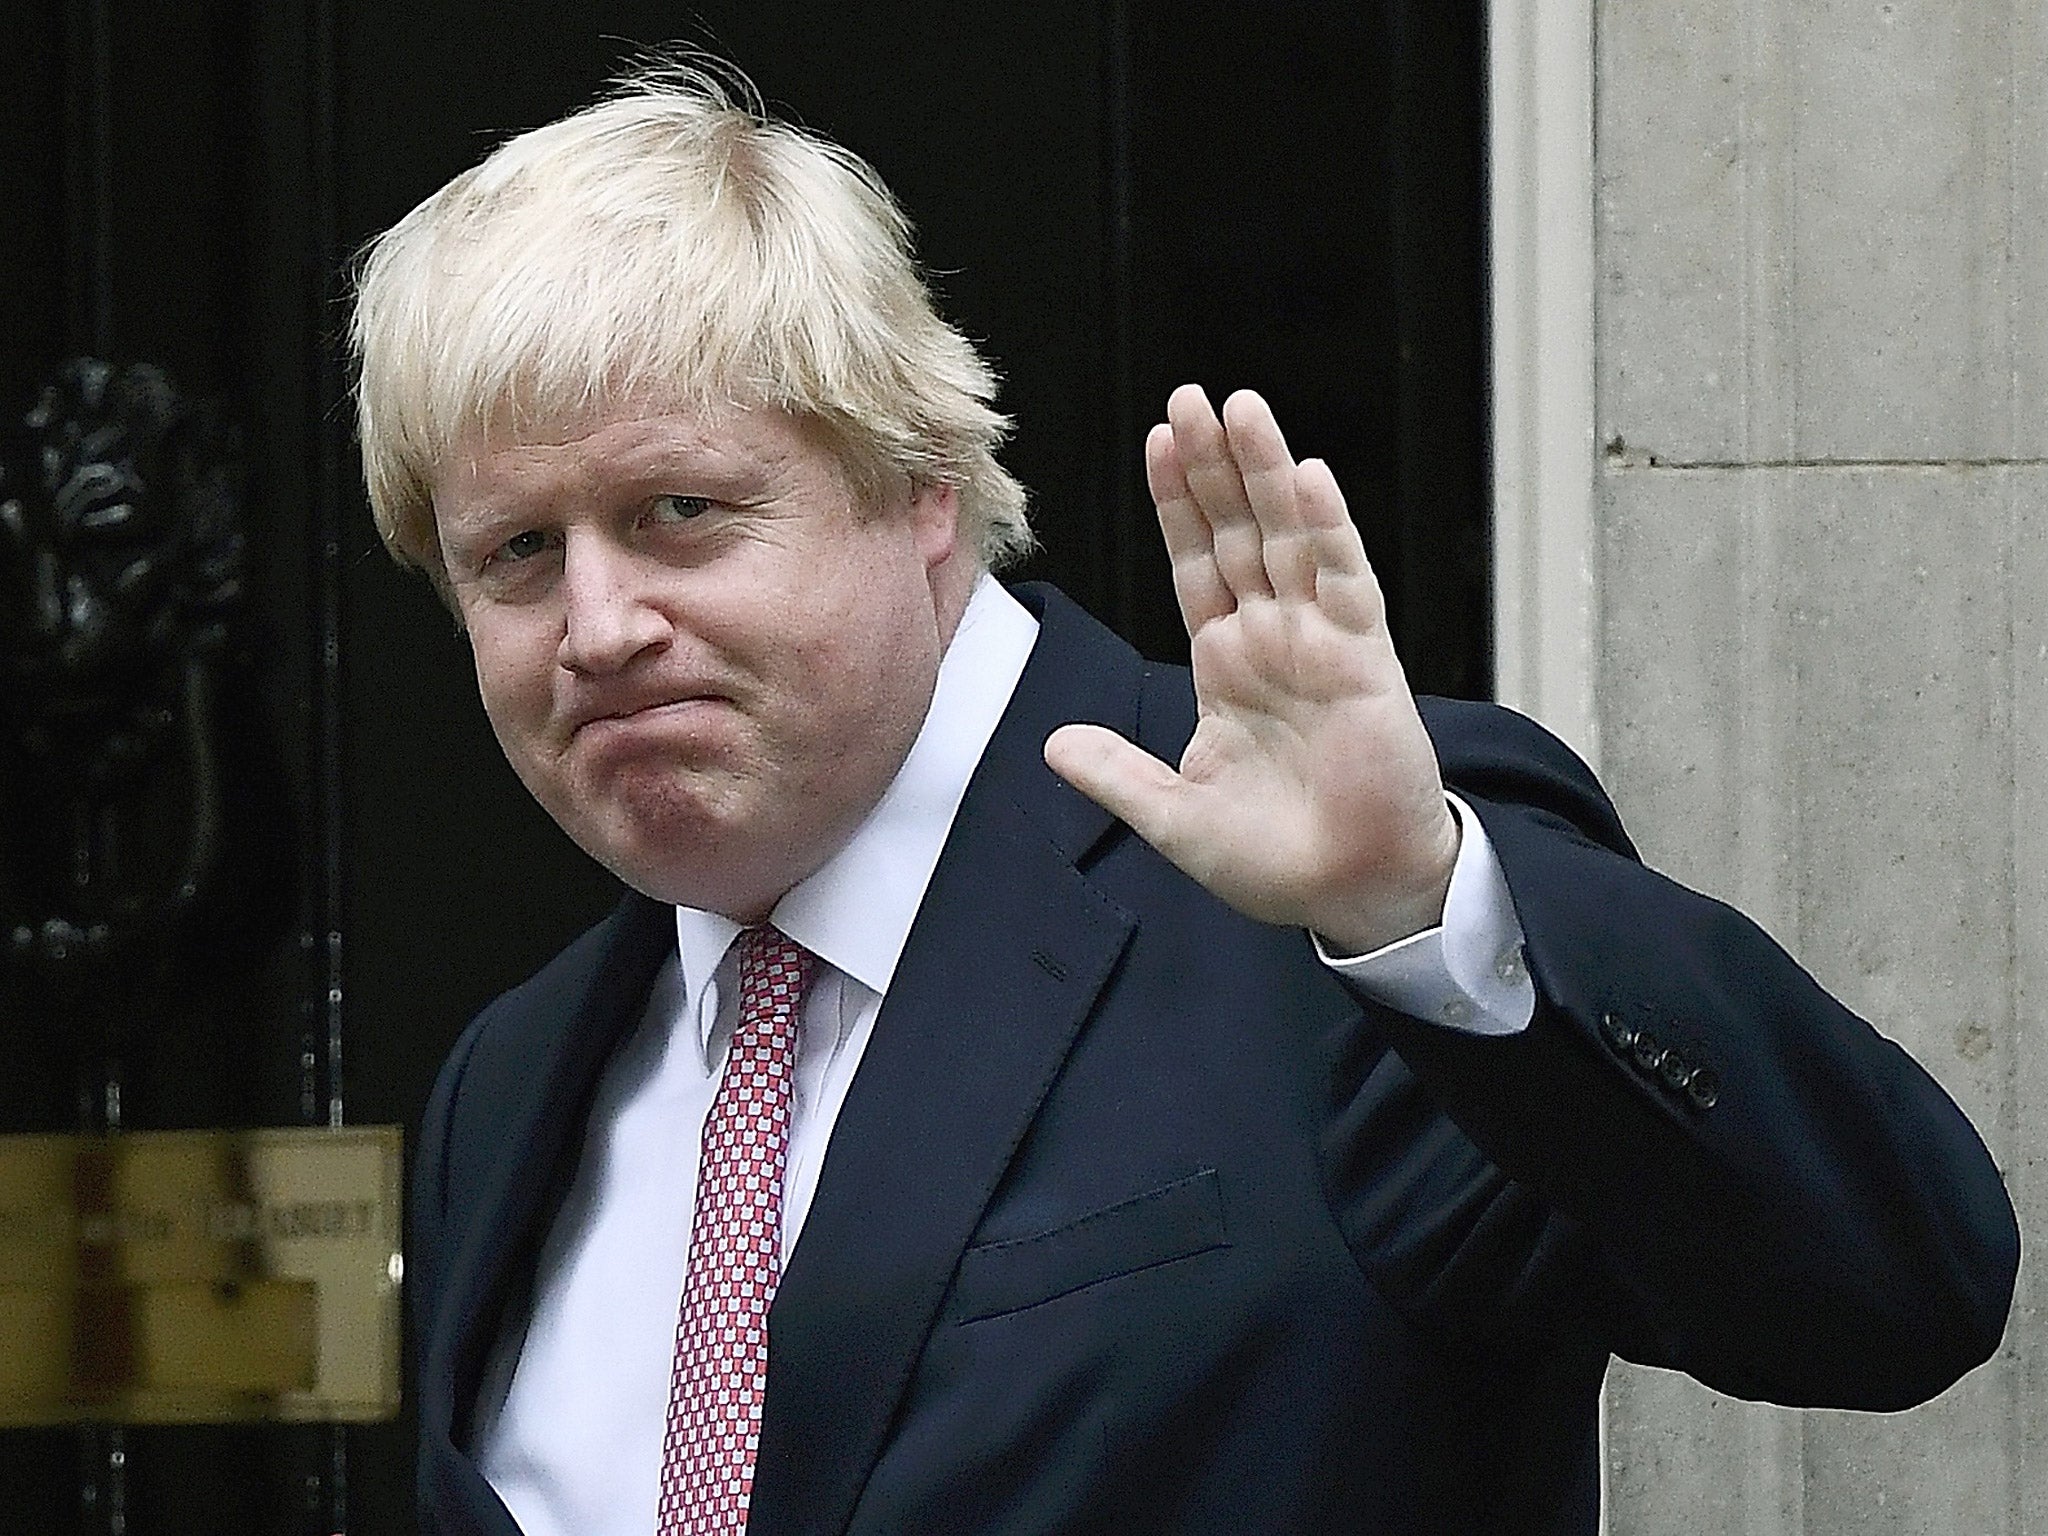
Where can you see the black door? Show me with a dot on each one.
(1116, 197)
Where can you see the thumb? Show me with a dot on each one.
(1125, 780)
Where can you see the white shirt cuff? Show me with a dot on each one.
(1468, 973)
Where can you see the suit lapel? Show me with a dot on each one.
(1010, 950)
(552, 1064)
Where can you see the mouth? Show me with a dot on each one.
(653, 714)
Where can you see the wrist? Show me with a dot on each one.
(1366, 922)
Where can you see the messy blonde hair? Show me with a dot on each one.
(672, 243)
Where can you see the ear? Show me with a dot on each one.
(951, 567)
(935, 515)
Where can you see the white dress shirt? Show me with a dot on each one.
(574, 1404)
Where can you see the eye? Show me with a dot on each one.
(523, 546)
(677, 509)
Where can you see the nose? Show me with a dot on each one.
(610, 615)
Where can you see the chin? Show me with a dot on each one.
(685, 857)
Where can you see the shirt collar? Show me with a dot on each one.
(855, 911)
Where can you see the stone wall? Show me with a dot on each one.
(1819, 618)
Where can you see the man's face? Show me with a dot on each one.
(704, 659)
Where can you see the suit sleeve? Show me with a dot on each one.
(1705, 1160)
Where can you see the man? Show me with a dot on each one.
(970, 1122)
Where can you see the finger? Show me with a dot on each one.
(1197, 584)
(1218, 490)
(1264, 465)
(1347, 591)
(1124, 779)
(1267, 471)
(1326, 523)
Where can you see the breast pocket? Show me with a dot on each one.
(1176, 1221)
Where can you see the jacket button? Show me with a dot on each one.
(1676, 1070)
(1617, 1032)
(1649, 1054)
(1704, 1087)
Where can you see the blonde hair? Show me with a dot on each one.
(673, 243)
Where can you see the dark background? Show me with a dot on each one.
(1113, 197)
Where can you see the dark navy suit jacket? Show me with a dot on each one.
(1135, 1219)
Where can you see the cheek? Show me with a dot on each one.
(830, 622)
(513, 688)
(885, 653)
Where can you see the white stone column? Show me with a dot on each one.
(1814, 597)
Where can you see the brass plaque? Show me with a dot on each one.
(200, 1277)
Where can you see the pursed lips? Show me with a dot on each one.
(666, 703)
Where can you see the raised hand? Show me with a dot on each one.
(1309, 793)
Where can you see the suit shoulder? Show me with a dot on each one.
(514, 1047)
(1493, 753)
(525, 1015)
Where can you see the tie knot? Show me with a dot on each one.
(774, 968)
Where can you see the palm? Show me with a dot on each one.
(1309, 793)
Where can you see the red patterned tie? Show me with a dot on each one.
(721, 1364)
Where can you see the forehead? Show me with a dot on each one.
(638, 440)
